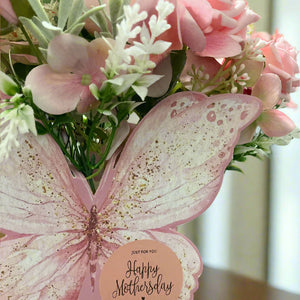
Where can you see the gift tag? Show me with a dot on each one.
(142, 270)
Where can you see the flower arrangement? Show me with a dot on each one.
(74, 75)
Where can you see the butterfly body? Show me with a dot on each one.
(94, 242)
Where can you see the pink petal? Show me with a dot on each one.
(275, 123)
(176, 158)
(38, 193)
(268, 90)
(87, 101)
(219, 45)
(192, 35)
(201, 11)
(98, 52)
(55, 93)
(7, 12)
(254, 69)
(68, 53)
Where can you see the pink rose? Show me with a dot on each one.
(281, 59)
(210, 27)
(228, 27)
(7, 12)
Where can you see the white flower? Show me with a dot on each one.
(14, 121)
(134, 60)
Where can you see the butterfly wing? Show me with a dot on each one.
(36, 267)
(188, 256)
(38, 193)
(43, 216)
(172, 165)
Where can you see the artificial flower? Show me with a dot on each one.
(281, 59)
(228, 27)
(212, 27)
(273, 123)
(74, 64)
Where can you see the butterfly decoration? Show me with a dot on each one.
(58, 235)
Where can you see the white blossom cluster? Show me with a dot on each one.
(15, 117)
(129, 62)
(14, 121)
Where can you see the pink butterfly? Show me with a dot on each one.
(59, 235)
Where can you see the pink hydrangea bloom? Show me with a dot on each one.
(7, 12)
(62, 85)
(273, 123)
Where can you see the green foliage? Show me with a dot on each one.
(178, 59)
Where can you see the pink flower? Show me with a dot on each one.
(63, 84)
(272, 122)
(228, 27)
(281, 59)
(211, 27)
(7, 12)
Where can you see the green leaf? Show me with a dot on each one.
(63, 13)
(231, 167)
(126, 108)
(41, 130)
(22, 8)
(115, 11)
(39, 10)
(7, 85)
(75, 11)
(100, 134)
(178, 60)
(62, 120)
(36, 32)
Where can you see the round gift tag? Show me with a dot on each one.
(143, 270)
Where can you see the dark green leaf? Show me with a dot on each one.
(178, 60)
(41, 130)
(62, 119)
(5, 27)
(22, 8)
